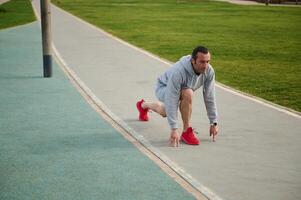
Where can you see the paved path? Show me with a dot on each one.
(3, 1)
(257, 154)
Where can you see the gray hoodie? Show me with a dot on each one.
(180, 76)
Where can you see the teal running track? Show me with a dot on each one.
(53, 145)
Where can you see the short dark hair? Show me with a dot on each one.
(198, 49)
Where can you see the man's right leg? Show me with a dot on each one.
(157, 107)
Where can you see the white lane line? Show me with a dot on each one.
(179, 171)
(208, 194)
(144, 142)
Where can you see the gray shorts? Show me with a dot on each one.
(160, 92)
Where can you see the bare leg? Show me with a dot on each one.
(186, 107)
(157, 107)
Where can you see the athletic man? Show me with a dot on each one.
(175, 89)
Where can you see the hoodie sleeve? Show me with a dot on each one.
(172, 96)
(209, 96)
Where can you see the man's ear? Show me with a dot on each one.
(193, 61)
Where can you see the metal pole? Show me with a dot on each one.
(46, 37)
(267, 2)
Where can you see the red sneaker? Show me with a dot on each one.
(142, 112)
(189, 137)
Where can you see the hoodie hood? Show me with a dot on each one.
(186, 63)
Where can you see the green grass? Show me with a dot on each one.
(15, 12)
(255, 49)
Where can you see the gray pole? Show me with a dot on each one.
(267, 2)
(46, 37)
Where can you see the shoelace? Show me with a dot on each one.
(193, 130)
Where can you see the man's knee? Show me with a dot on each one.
(186, 95)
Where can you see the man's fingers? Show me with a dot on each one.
(170, 142)
(173, 142)
(214, 134)
(176, 142)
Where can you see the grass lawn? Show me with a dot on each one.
(255, 49)
(15, 12)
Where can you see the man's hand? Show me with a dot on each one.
(174, 138)
(213, 132)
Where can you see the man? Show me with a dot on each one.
(175, 90)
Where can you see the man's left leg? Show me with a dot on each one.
(188, 135)
(186, 107)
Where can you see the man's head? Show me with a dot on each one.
(200, 59)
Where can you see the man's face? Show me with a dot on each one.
(200, 65)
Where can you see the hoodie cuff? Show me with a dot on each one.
(212, 121)
(173, 126)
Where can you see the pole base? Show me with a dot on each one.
(47, 61)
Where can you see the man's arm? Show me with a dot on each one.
(172, 97)
(209, 96)
(210, 102)
(171, 103)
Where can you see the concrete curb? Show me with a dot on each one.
(179, 171)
